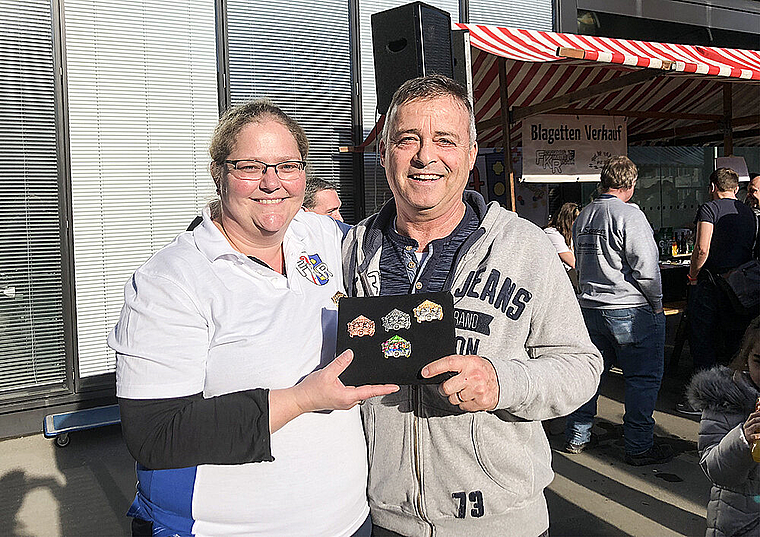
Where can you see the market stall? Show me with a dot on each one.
(633, 93)
(668, 94)
(655, 93)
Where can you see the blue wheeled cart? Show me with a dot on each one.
(59, 426)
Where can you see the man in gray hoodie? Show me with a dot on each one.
(621, 299)
(467, 457)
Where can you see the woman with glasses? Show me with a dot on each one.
(235, 425)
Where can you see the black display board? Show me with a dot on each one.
(395, 336)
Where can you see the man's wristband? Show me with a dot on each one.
(690, 278)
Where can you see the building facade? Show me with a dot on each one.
(106, 110)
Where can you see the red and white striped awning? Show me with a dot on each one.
(537, 46)
(679, 98)
(673, 94)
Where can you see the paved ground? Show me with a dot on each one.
(596, 493)
(85, 489)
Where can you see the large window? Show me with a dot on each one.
(672, 183)
(32, 350)
(142, 106)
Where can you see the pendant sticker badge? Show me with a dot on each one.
(361, 326)
(313, 268)
(397, 347)
(428, 311)
(396, 320)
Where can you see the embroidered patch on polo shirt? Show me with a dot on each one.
(313, 268)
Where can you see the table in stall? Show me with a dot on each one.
(674, 286)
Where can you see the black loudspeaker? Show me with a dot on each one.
(460, 49)
(409, 41)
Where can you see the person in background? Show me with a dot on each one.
(219, 354)
(621, 301)
(726, 230)
(321, 197)
(752, 200)
(560, 232)
(730, 424)
(468, 456)
(753, 193)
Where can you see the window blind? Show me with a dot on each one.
(297, 53)
(529, 14)
(32, 351)
(142, 106)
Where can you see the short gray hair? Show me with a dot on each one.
(425, 88)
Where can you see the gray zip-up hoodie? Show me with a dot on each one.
(726, 398)
(438, 471)
(616, 256)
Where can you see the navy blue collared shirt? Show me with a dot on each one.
(402, 273)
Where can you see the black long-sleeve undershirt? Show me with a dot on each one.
(188, 431)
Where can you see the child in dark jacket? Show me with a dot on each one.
(729, 427)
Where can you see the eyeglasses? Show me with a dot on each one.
(255, 169)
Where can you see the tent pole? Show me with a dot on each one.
(509, 174)
(728, 135)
